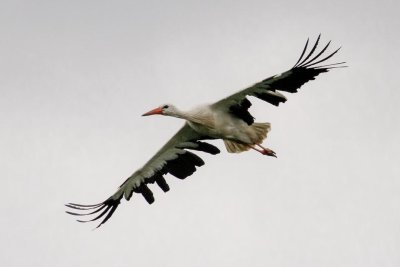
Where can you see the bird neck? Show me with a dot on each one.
(195, 116)
(180, 114)
(177, 113)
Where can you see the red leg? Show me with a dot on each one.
(265, 151)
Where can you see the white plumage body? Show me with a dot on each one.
(220, 124)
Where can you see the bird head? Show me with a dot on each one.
(167, 109)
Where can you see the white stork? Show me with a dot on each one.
(227, 119)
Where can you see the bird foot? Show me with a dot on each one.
(268, 152)
(264, 151)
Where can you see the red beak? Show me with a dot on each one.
(153, 112)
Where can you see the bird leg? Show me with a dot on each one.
(264, 151)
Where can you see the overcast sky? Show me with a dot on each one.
(77, 75)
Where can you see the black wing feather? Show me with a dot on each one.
(270, 98)
(108, 207)
(311, 52)
(206, 147)
(162, 183)
(299, 77)
(182, 166)
(317, 56)
(305, 69)
(302, 53)
(241, 110)
(146, 193)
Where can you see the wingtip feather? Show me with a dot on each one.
(302, 53)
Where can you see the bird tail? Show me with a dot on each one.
(235, 147)
(260, 131)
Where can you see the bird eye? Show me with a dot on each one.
(165, 106)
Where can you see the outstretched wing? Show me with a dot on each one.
(174, 158)
(305, 69)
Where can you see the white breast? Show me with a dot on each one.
(218, 124)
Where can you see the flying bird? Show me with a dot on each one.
(228, 119)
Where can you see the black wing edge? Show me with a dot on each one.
(307, 67)
(103, 210)
(307, 63)
(181, 167)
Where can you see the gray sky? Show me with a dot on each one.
(77, 75)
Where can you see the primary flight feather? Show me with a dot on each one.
(228, 119)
